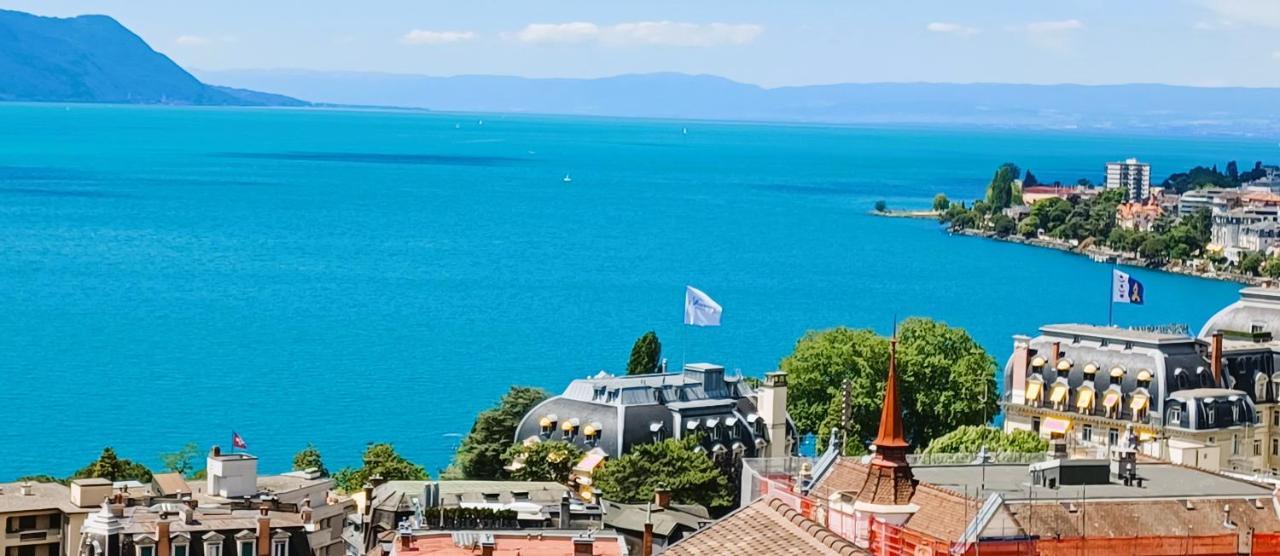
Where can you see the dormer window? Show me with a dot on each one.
(1117, 374)
(548, 424)
(1175, 416)
(280, 544)
(570, 429)
(1064, 366)
(1211, 414)
(212, 544)
(1260, 384)
(144, 545)
(180, 544)
(1037, 364)
(655, 430)
(246, 544)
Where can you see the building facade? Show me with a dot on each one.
(1132, 176)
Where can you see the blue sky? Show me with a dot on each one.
(773, 43)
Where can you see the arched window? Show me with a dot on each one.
(1260, 383)
(1180, 380)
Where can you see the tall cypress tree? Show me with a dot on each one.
(645, 355)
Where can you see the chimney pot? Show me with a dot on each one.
(488, 546)
(215, 451)
(1215, 352)
(662, 497)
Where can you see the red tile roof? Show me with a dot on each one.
(943, 514)
(767, 527)
(442, 544)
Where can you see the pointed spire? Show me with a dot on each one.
(891, 435)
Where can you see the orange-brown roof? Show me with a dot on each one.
(766, 527)
(1146, 518)
(943, 514)
(442, 544)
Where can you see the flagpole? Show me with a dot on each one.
(1111, 295)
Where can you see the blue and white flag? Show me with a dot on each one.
(699, 308)
(1124, 289)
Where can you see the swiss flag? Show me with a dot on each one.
(237, 442)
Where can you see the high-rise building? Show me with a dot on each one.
(1132, 176)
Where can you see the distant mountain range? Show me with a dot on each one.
(93, 58)
(668, 95)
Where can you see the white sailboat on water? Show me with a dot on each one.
(567, 179)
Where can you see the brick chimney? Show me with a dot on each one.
(264, 531)
(1018, 372)
(583, 545)
(1053, 357)
(662, 497)
(307, 515)
(1215, 352)
(488, 545)
(646, 546)
(162, 535)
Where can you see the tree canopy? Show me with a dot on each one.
(945, 380)
(645, 355)
(1002, 192)
(673, 464)
(941, 202)
(111, 467)
(480, 454)
(551, 460)
(970, 439)
(181, 461)
(380, 460)
(309, 458)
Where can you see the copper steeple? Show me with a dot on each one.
(889, 479)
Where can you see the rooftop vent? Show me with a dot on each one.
(1188, 504)
(25, 489)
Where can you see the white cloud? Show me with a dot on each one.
(1050, 35)
(951, 29)
(1262, 13)
(193, 40)
(419, 36)
(653, 33)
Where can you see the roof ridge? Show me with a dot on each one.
(817, 531)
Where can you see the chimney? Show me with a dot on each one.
(565, 513)
(1215, 351)
(25, 489)
(376, 480)
(368, 498)
(162, 535)
(215, 451)
(406, 542)
(307, 515)
(1021, 357)
(583, 545)
(772, 407)
(264, 531)
(487, 545)
(662, 497)
(1053, 357)
(646, 546)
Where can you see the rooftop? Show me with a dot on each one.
(631, 517)
(765, 527)
(44, 496)
(1115, 333)
(509, 543)
(1161, 481)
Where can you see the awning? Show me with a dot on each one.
(1038, 362)
(1033, 390)
(1091, 368)
(589, 430)
(1138, 403)
(567, 425)
(589, 463)
(1144, 375)
(1058, 393)
(1117, 372)
(712, 422)
(1110, 399)
(730, 421)
(1084, 398)
(548, 421)
(1054, 424)
(655, 426)
(691, 424)
(1064, 365)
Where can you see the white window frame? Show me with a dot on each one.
(213, 548)
(180, 542)
(280, 547)
(252, 544)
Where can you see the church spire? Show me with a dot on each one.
(891, 435)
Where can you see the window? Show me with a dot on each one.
(26, 523)
(1175, 415)
(1275, 418)
(247, 548)
(280, 548)
(1257, 447)
(213, 548)
(1086, 433)
(1275, 446)
(1035, 424)
(179, 550)
(1211, 416)
(1113, 436)
(28, 550)
(146, 550)
(1235, 444)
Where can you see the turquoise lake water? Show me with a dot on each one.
(173, 274)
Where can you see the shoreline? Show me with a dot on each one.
(1102, 255)
(1096, 254)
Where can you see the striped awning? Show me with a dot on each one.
(1117, 371)
(1110, 399)
(1084, 398)
(1139, 402)
(1064, 365)
(1144, 375)
(1091, 368)
(1054, 424)
(1058, 393)
(1033, 390)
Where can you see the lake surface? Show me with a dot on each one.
(170, 275)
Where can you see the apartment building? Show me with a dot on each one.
(1132, 176)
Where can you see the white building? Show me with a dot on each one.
(1132, 176)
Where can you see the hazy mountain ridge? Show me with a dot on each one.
(669, 95)
(93, 58)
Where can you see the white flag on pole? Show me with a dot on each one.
(699, 308)
(1125, 289)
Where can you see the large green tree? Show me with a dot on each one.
(673, 464)
(543, 461)
(945, 380)
(645, 355)
(1002, 191)
(380, 460)
(970, 439)
(309, 458)
(181, 461)
(111, 467)
(480, 454)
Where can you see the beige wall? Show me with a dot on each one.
(44, 536)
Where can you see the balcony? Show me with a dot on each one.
(33, 536)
